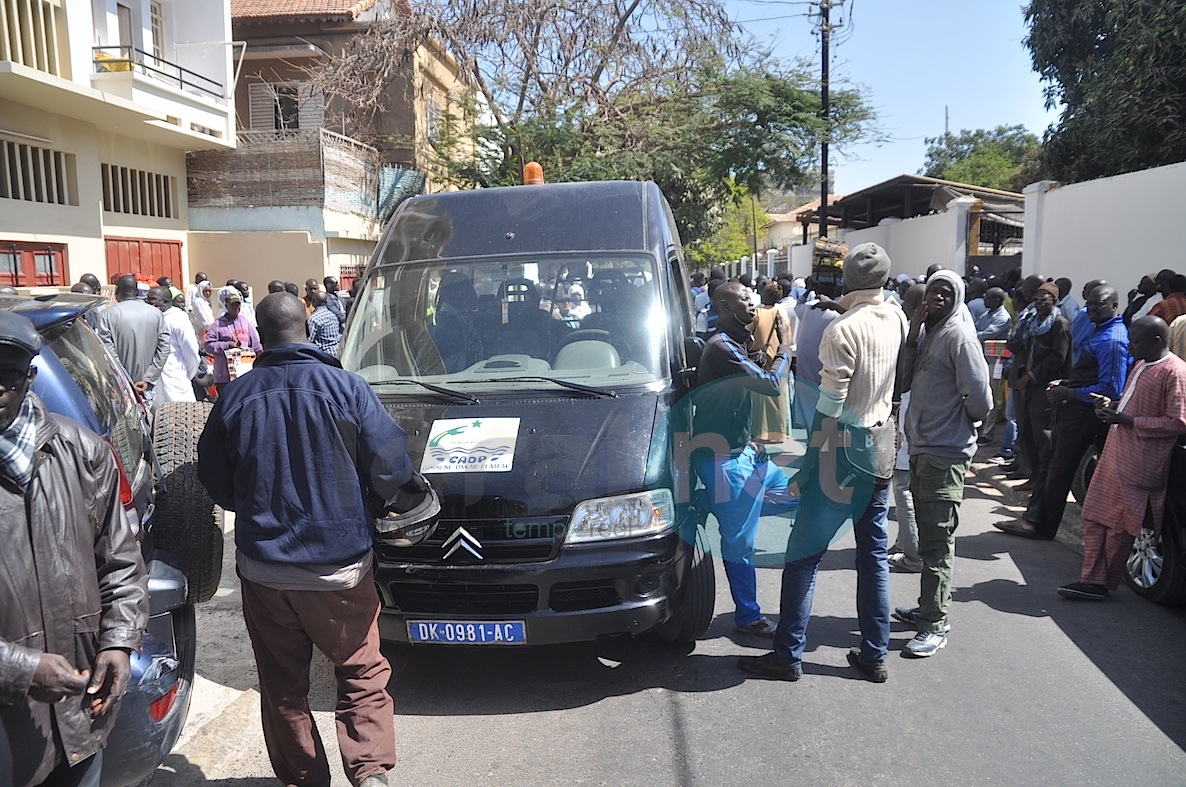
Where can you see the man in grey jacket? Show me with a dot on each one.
(136, 334)
(946, 362)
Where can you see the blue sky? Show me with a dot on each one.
(913, 57)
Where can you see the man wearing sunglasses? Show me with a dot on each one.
(73, 588)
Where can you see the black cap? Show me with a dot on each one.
(17, 331)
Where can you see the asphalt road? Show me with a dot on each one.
(1030, 689)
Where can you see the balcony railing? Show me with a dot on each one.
(126, 58)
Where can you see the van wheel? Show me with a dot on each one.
(1156, 569)
(691, 619)
(187, 524)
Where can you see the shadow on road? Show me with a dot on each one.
(1125, 637)
(177, 771)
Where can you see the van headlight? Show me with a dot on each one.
(624, 516)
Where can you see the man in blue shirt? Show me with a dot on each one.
(1101, 371)
(1082, 328)
(994, 323)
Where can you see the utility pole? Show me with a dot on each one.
(753, 207)
(825, 6)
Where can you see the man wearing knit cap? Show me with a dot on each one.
(846, 472)
(947, 363)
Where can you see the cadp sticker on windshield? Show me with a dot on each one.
(471, 445)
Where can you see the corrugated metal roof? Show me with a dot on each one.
(283, 9)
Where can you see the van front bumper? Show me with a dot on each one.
(589, 590)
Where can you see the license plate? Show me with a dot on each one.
(465, 632)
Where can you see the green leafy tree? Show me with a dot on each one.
(734, 236)
(1118, 70)
(665, 90)
(1003, 158)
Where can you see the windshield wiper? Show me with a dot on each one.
(563, 383)
(458, 395)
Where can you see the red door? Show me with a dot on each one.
(33, 264)
(147, 260)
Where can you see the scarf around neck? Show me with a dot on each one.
(18, 445)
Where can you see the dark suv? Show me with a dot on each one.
(78, 379)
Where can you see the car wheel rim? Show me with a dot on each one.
(1146, 563)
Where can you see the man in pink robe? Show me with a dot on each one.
(1128, 488)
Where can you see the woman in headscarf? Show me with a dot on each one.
(202, 313)
(770, 420)
(580, 307)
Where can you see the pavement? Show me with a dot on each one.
(1031, 688)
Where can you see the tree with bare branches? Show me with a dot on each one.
(667, 90)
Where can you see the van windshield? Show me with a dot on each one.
(487, 325)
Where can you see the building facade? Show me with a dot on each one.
(306, 192)
(99, 102)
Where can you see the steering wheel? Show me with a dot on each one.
(585, 335)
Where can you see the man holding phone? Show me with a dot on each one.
(1128, 489)
(1101, 370)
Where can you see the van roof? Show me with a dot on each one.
(555, 217)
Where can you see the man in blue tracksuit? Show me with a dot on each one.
(305, 455)
(740, 485)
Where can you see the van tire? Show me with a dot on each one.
(187, 524)
(693, 616)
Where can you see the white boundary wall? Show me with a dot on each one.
(1117, 228)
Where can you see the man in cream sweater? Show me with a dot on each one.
(846, 471)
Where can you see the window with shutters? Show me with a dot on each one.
(138, 192)
(36, 174)
(276, 106)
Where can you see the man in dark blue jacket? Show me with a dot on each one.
(305, 455)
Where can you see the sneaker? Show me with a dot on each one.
(762, 627)
(910, 615)
(900, 562)
(1001, 459)
(878, 673)
(1082, 590)
(378, 780)
(768, 666)
(924, 644)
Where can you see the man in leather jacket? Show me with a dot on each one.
(73, 588)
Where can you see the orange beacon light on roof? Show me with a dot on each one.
(533, 174)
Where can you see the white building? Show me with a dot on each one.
(99, 102)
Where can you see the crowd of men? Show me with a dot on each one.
(1010, 365)
(897, 384)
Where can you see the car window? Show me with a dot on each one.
(84, 358)
(596, 321)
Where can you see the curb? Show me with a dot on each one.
(1070, 532)
(225, 737)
